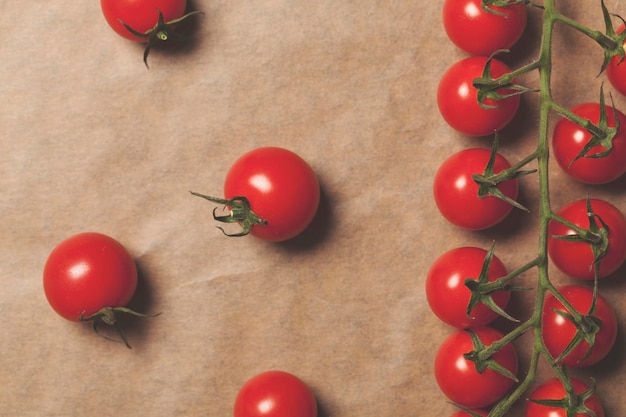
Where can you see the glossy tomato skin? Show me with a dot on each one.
(88, 272)
(575, 259)
(457, 98)
(569, 139)
(558, 332)
(456, 193)
(553, 389)
(479, 32)
(141, 15)
(281, 189)
(458, 378)
(616, 71)
(447, 294)
(275, 394)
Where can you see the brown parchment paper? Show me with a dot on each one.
(92, 140)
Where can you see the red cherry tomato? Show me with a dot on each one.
(616, 71)
(575, 259)
(275, 394)
(480, 32)
(569, 139)
(272, 192)
(456, 193)
(141, 15)
(553, 389)
(457, 98)
(447, 295)
(458, 378)
(558, 331)
(87, 273)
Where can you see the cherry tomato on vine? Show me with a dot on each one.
(482, 32)
(458, 377)
(86, 273)
(272, 192)
(140, 15)
(553, 389)
(457, 98)
(456, 193)
(569, 139)
(559, 331)
(576, 259)
(447, 295)
(616, 71)
(275, 394)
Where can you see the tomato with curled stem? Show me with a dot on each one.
(560, 328)
(449, 297)
(271, 192)
(584, 400)
(459, 378)
(90, 277)
(458, 100)
(569, 140)
(576, 258)
(480, 30)
(456, 193)
(275, 394)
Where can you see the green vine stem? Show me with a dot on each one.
(612, 44)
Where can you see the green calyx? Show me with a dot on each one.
(240, 212)
(482, 364)
(161, 32)
(108, 316)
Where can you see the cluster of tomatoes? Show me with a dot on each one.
(269, 192)
(586, 238)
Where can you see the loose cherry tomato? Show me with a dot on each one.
(447, 295)
(576, 259)
(616, 71)
(558, 331)
(458, 377)
(140, 15)
(272, 192)
(275, 394)
(457, 98)
(553, 389)
(569, 139)
(478, 31)
(456, 193)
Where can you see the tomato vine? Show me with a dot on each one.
(595, 235)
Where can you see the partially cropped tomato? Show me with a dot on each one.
(569, 139)
(576, 259)
(140, 15)
(457, 98)
(87, 273)
(616, 71)
(559, 331)
(458, 377)
(461, 413)
(272, 192)
(456, 193)
(447, 295)
(275, 394)
(478, 31)
(553, 389)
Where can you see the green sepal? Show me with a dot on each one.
(240, 212)
(108, 316)
(613, 43)
(572, 403)
(482, 365)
